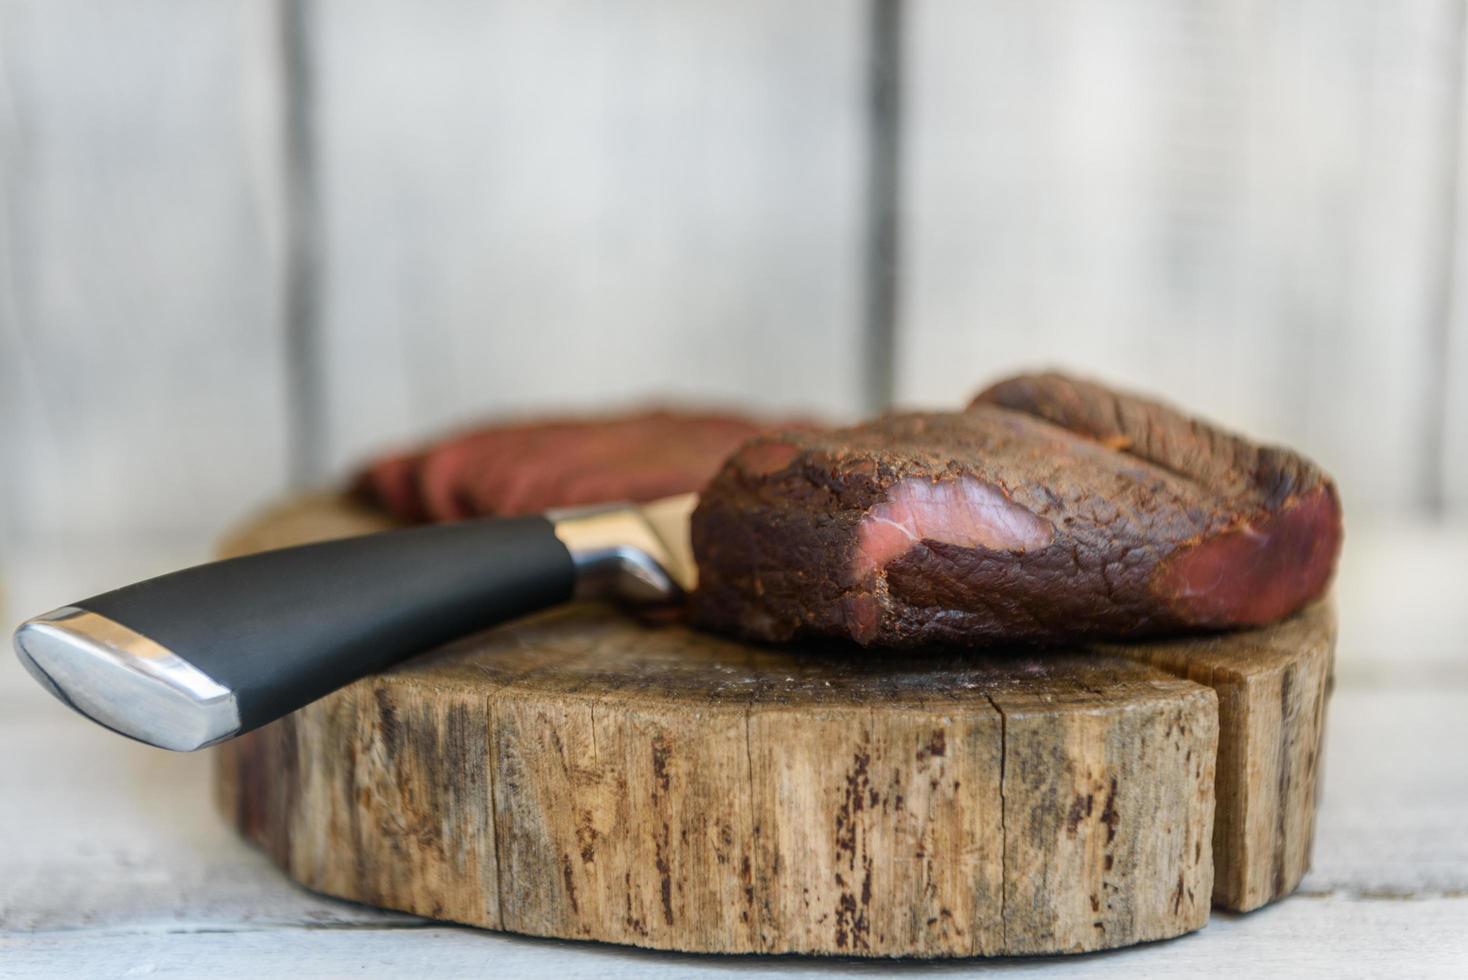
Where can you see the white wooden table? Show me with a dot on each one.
(113, 863)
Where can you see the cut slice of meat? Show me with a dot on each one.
(529, 466)
(1051, 509)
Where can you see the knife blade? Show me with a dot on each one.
(201, 655)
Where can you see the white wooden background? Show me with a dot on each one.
(246, 243)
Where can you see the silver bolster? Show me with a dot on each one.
(618, 553)
(125, 681)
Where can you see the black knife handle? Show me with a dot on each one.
(279, 629)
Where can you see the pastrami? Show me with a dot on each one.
(1051, 509)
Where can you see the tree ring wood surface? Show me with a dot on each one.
(582, 775)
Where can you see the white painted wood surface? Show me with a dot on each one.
(1455, 427)
(1331, 938)
(1237, 205)
(114, 862)
(1454, 370)
(140, 352)
(1245, 206)
(535, 204)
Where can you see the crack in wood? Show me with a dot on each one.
(1003, 825)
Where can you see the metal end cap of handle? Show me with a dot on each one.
(125, 681)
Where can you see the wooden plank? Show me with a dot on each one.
(1322, 938)
(1455, 405)
(1392, 826)
(1451, 389)
(531, 205)
(1237, 206)
(1403, 603)
(140, 377)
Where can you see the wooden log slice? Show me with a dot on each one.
(582, 775)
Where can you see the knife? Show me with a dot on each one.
(201, 655)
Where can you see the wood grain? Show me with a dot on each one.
(662, 788)
(1272, 688)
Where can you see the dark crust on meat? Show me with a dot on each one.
(1160, 523)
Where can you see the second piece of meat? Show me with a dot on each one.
(529, 466)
